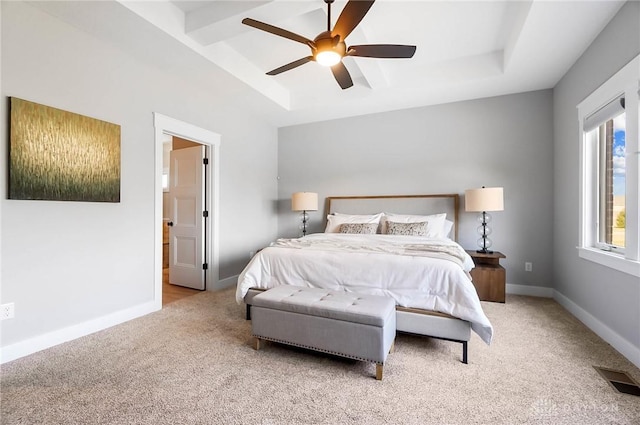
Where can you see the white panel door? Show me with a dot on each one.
(187, 232)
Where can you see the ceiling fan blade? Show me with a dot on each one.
(277, 31)
(291, 65)
(341, 75)
(350, 17)
(391, 51)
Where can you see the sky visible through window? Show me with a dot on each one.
(618, 155)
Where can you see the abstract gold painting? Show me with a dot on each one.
(62, 156)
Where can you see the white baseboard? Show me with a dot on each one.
(41, 342)
(532, 291)
(225, 283)
(33, 345)
(623, 346)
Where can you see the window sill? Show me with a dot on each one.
(611, 260)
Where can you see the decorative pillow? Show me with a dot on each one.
(407, 229)
(335, 220)
(359, 228)
(435, 226)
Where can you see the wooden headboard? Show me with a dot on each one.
(399, 204)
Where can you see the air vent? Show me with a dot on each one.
(619, 381)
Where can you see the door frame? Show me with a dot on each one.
(167, 125)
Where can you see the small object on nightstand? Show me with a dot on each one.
(488, 276)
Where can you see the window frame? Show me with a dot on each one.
(625, 82)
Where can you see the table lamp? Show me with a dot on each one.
(304, 201)
(483, 200)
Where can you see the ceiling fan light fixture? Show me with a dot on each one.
(328, 58)
(329, 47)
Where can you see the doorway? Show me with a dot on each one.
(166, 127)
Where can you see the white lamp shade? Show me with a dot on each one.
(304, 201)
(484, 199)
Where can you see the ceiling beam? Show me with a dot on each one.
(517, 18)
(217, 11)
(170, 19)
(216, 22)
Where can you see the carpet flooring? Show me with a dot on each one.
(193, 363)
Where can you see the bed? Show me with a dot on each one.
(422, 268)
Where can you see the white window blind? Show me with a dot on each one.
(610, 110)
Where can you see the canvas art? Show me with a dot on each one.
(62, 156)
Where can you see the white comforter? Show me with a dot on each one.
(430, 274)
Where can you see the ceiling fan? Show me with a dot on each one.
(329, 47)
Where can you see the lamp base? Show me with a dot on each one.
(305, 220)
(484, 242)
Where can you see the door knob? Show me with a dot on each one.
(170, 224)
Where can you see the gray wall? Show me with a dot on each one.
(611, 297)
(67, 263)
(502, 141)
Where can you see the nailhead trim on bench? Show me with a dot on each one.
(317, 349)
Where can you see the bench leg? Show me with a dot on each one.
(256, 343)
(393, 346)
(464, 352)
(379, 371)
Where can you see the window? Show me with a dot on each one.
(605, 138)
(167, 145)
(165, 180)
(609, 216)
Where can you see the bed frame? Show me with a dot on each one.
(408, 320)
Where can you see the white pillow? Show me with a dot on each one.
(335, 220)
(435, 222)
(448, 226)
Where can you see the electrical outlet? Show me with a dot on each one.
(6, 311)
(528, 267)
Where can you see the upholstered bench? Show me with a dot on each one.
(357, 326)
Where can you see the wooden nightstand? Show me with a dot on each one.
(488, 276)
